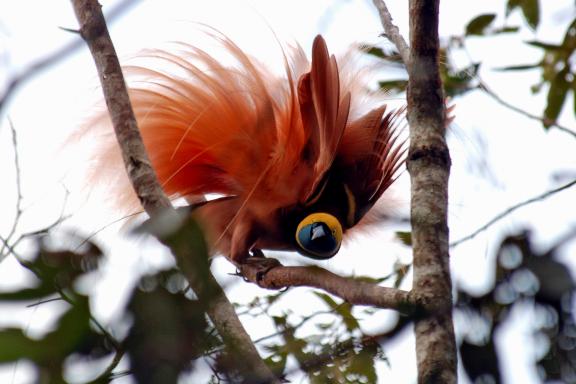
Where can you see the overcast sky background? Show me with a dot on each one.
(499, 157)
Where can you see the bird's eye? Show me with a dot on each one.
(319, 236)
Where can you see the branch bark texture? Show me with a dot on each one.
(353, 291)
(144, 181)
(429, 167)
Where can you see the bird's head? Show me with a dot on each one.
(319, 236)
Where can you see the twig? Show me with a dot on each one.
(108, 373)
(483, 87)
(145, 183)
(53, 58)
(392, 32)
(511, 209)
(6, 240)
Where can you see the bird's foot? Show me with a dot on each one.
(256, 267)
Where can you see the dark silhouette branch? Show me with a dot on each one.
(145, 183)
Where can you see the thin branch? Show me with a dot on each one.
(353, 291)
(392, 32)
(53, 58)
(6, 240)
(108, 374)
(483, 87)
(145, 183)
(511, 209)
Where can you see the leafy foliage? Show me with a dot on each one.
(558, 73)
(524, 278)
(479, 24)
(74, 334)
(530, 10)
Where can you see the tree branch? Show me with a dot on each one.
(428, 164)
(353, 291)
(512, 209)
(546, 122)
(392, 32)
(65, 51)
(144, 181)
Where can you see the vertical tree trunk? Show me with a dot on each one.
(429, 165)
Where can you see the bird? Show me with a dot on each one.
(265, 161)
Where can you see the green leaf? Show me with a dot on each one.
(478, 25)
(27, 294)
(394, 85)
(546, 46)
(522, 67)
(405, 237)
(392, 56)
(511, 5)
(169, 324)
(556, 96)
(344, 310)
(531, 11)
(328, 300)
(459, 82)
(401, 272)
(72, 330)
(498, 31)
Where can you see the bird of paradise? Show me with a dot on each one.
(294, 160)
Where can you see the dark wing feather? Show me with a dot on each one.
(324, 113)
(370, 156)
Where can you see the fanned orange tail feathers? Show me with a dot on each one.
(279, 146)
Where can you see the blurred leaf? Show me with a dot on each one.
(505, 30)
(478, 25)
(72, 334)
(59, 269)
(362, 366)
(344, 310)
(393, 85)
(391, 56)
(40, 292)
(511, 5)
(404, 237)
(530, 10)
(480, 360)
(457, 83)
(168, 332)
(401, 272)
(556, 96)
(519, 67)
(545, 46)
(327, 299)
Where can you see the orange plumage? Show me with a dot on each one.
(278, 149)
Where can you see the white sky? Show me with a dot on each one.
(517, 153)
